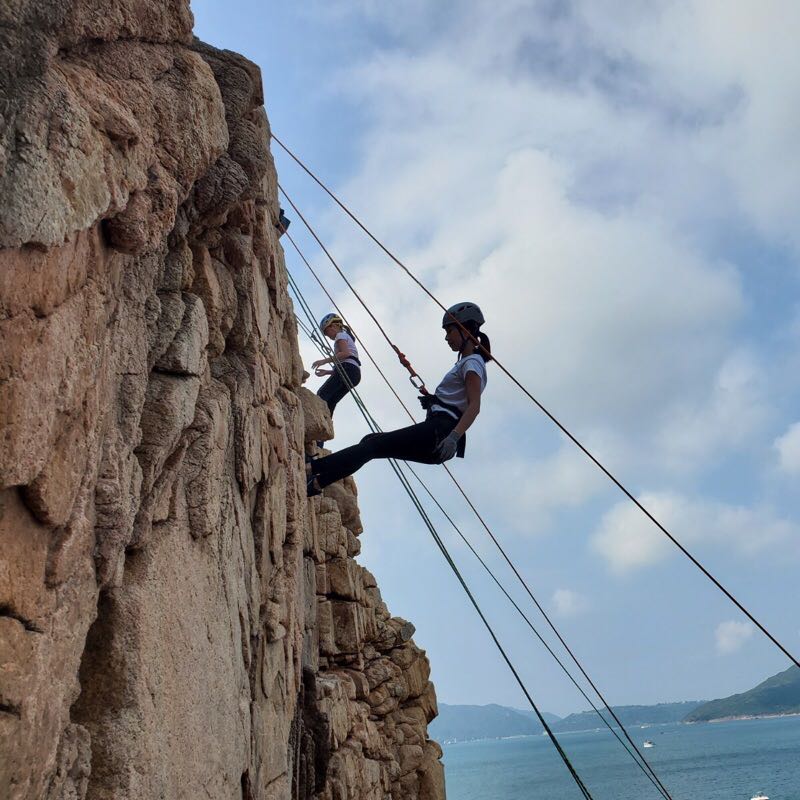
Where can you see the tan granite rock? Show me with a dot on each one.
(177, 619)
(319, 426)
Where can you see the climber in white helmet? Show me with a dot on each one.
(347, 368)
(450, 410)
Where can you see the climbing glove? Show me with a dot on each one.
(446, 449)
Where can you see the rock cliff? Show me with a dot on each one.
(177, 620)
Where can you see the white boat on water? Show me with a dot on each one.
(759, 796)
(648, 743)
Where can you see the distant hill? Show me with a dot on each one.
(629, 715)
(779, 694)
(465, 723)
(549, 718)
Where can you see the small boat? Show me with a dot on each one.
(648, 743)
(759, 796)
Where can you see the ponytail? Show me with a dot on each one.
(485, 351)
(483, 346)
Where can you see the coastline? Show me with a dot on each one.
(447, 742)
(746, 716)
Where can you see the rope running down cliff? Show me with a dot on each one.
(651, 777)
(440, 544)
(552, 417)
(647, 768)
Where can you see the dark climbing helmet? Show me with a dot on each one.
(463, 313)
(328, 319)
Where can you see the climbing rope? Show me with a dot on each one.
(344, 318)
(443, 549)
(549, 414)
(323, 348)
(494, 539)
(420, 385)
(646, 767)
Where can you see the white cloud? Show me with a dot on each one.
(627, 540)
(527, 489)
(730, 416)
(722, 76)
(732, 635)
(566, 478)
(788, 447)
(602, 316)
(692, 98)
(568, 603)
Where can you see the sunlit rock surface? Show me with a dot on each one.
(177, 620)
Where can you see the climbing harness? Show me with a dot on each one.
(428, 401)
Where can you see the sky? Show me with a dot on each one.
(617, 185)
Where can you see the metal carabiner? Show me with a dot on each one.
(421, 386)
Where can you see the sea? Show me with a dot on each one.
(733, 760)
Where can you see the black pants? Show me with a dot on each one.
(414, 443)
(335, 388)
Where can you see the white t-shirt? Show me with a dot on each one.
(352, 352)
(453, 388)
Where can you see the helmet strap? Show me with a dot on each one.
(465, 340)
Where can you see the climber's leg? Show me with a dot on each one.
(414, 443)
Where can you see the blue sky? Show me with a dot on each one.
(617, 185)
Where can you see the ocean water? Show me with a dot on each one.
(717, 761)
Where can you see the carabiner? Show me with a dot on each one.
(421, 386)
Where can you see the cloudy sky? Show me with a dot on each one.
(617, 184)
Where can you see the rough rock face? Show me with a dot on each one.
(176, 619)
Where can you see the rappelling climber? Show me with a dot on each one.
(346, 372)
(450, 410)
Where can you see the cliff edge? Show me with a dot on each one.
(177, 620)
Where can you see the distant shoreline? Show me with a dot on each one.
(746, 716)
(776, 697)
(635, 725)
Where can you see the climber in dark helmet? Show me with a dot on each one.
(450, 410)
(346, 371)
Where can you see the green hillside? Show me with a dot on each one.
(629, 715)
(779, 694)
